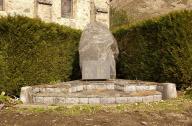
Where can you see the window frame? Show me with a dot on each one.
(71, 15)
(3, 6)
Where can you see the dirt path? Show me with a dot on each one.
(100, 118)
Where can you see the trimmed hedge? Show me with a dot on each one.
(33, 52)
(157, 50)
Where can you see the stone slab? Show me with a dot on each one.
(95, 70)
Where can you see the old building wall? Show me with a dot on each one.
(145, 9)
(50, 11)
(21, 7)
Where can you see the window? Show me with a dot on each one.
(1, 5)
(66, 8)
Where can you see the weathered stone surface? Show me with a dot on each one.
(94, 100)
(140, 88)
(38, 100)
(169, 91)
(26, 95)
(147, 99)
(96, 92)
(152, 87)
(72, 100)
(108, 100)
(157, 97)
(60, 100)
(138, 99)
(98, 50)
(131, 100)
(83, 100)
(130, 88)
(49, 100)
(120, 100)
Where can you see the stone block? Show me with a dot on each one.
(138, 99)
(169, 91)
(26, 95)
(130, 88)
(39, 100)
(72, 101)
(140, 88)
(119, 87)
(60, 100)
(160, 88)
(131, 100)
(73, 89)
(153, 87)
(121, 100)
(35, 90)
(110, 86)
(94, 100)
(147, 99)
(101, 86)
(79, 88)
(83, 100)
(52, 90)
(157, 97)
(91, 87)
(49, 100)
(95, 70)
(108, 100)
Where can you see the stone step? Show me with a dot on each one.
(60, 99)
(77, 86)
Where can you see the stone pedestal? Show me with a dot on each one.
(169, 91)
(26, 95)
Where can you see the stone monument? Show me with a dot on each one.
(98, 50)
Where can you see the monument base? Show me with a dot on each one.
(97, 92)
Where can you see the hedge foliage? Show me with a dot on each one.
(33, 52)
(157, 50)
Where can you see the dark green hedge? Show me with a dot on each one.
(157, 50)
(33, 52)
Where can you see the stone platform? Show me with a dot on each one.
(98, 92)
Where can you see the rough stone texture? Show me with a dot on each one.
(38, 100)
(83, 100)
(98, 50)
(120, 100)
(60, 100)
(50, 11)
(72, 100)
(145, 9)
(26, 95)
(108, 100)
(157, 97)
(129, 88)
(131, 99)
(98, 92)
(94, 100)
(147, 99)
(49, 100)
(169, 91)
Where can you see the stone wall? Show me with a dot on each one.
(144, 9)
(50, 11)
